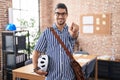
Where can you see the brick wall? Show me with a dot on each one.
(4, 5)
(46, 16)
(97, 44)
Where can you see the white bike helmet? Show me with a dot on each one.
(43, 62)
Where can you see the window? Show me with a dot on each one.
(24, 13)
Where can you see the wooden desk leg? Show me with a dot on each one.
(14, 78)
(96, 70)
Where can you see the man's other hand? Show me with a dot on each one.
(73, 30)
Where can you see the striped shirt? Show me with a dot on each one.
(59, 63)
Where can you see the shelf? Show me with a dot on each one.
(12, 43)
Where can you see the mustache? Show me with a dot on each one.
(60, 18)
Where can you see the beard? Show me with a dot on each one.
(61, 21)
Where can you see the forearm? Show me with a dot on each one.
(36, 55)
(75, 35)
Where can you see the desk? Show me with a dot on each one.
(27, 71)
(107, 68)
(84, 59)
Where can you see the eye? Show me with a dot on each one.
(62, 14)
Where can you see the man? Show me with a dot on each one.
(59, 63)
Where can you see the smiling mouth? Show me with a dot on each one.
(61, 20)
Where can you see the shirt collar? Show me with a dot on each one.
(55, 27)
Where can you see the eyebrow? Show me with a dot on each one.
(60, 12)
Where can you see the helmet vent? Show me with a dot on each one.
(43, 65)
(42, 61)
(43, 58)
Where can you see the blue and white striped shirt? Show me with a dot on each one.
(59, 63)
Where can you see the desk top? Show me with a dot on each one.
(28, 69)
(25, 69)
(84, 59)
(27, 73)
(109, 57)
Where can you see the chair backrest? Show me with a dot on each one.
(28, 62)
(90, 67)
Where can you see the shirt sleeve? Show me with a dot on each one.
(41, 44)
(72, 42)
(72, 39)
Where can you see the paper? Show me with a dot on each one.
(88, 29)
(77, 55)
(87, 20)
(104, 57)
(83, 60)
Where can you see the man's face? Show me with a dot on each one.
(60, 16)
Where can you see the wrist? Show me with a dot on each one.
(36, 69)
(76, 35)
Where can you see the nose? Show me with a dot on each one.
(60, 16)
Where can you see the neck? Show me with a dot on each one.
(60, 27)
